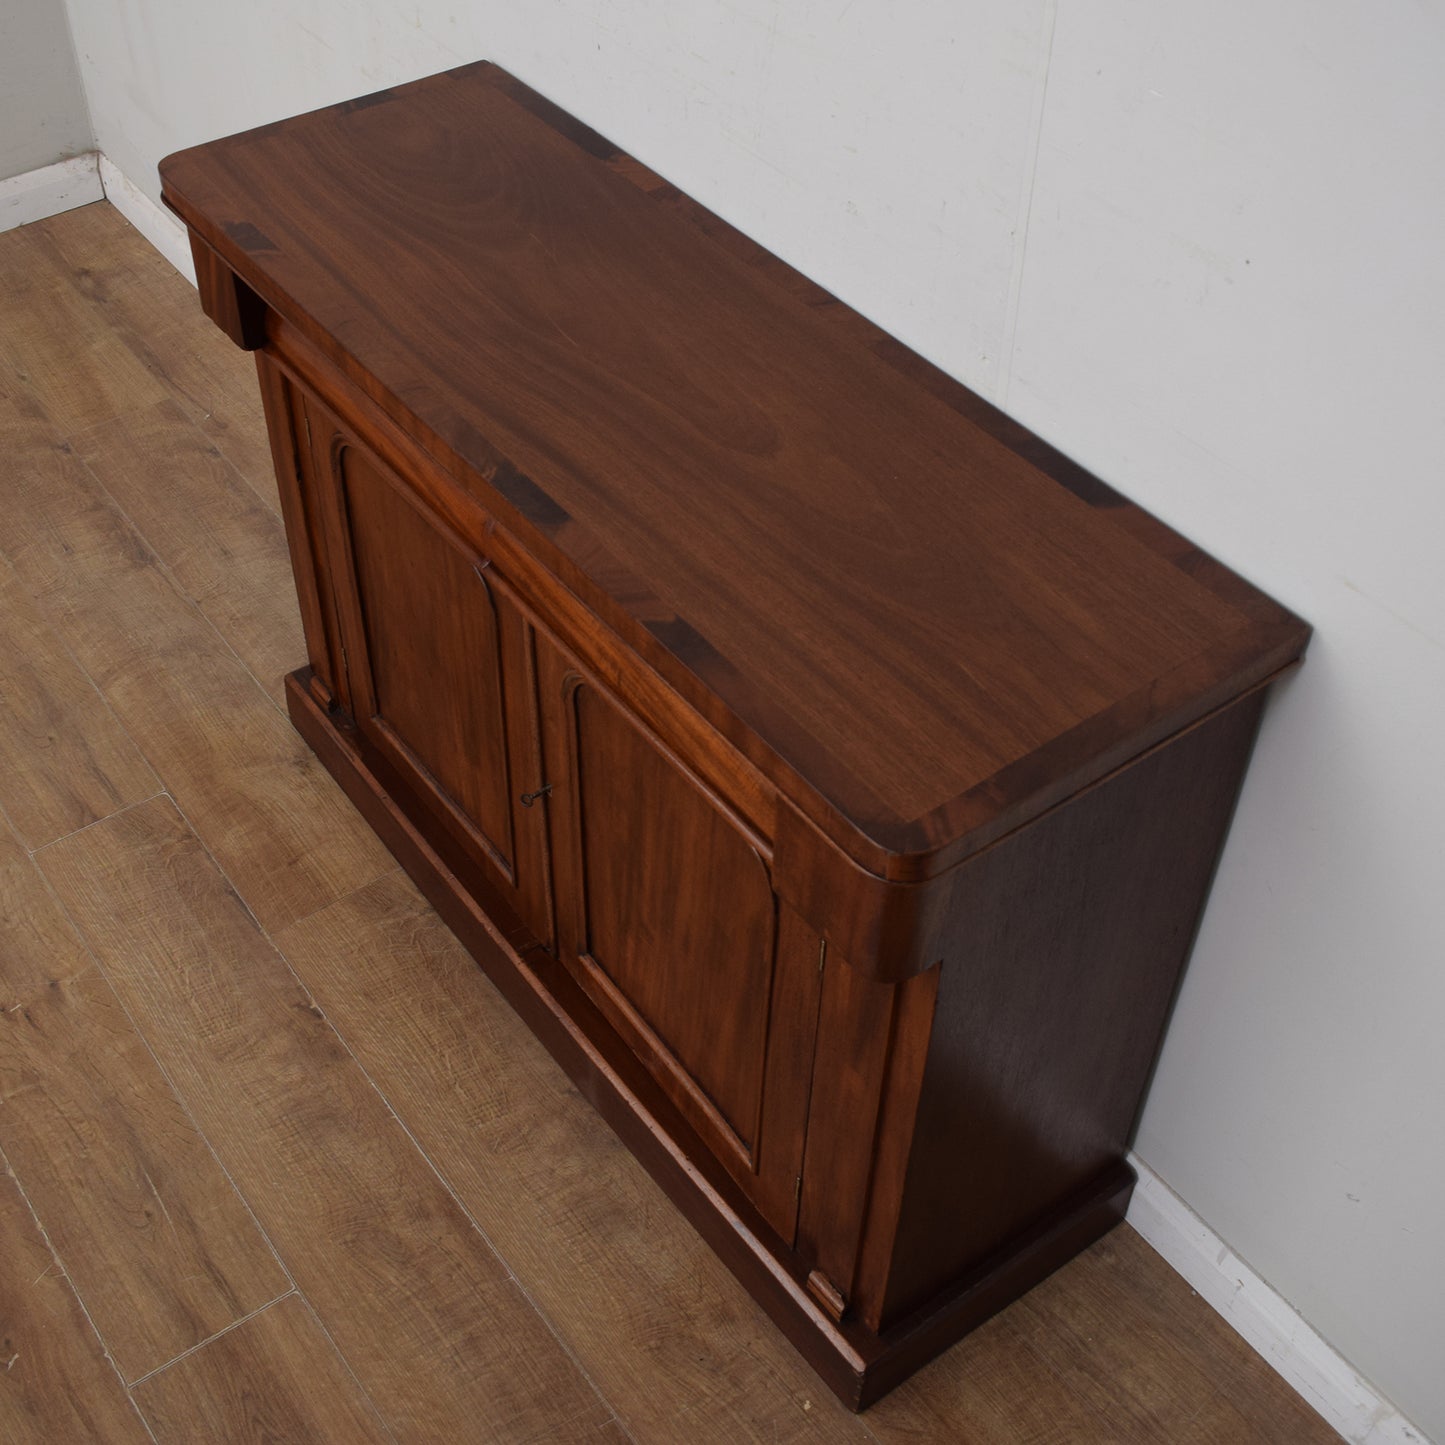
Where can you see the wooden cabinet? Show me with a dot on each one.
(828, 771)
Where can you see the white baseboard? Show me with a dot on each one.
(49, 191)
(1262, 1318)
(163, 230)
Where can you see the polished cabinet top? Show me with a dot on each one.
(924, 624)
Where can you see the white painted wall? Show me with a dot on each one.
(42, 107)
(1197, 246)
(1234, 307)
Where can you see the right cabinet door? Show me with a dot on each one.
(667, 917)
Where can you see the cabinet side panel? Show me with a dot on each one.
(1066, 944)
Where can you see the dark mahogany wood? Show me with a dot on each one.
(876, 594)
(1067, 945)
(226, 299)
(668, 920)
(830, 772)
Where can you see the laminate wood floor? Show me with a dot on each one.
(280, 1165)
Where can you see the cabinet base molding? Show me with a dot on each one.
(858, 1364)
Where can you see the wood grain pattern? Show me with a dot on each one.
(926, 609)
(426, 649)
(150, 309)
(1068, 942)
(82, 374)
(224, 547)
(1189, 1351)
(654, 1318)
(280, 829)
(274, 1378)
(438, 1334)
(55, 1382)
(64, 758)
(672, 918)
(153, 1236)
(999, 1385)
(855, 1023)
(1092, 1335)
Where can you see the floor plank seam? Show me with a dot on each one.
(243, 474)
(64, 649)
(96, 822)
(250, 912)
(346, 1365)
(155, 1058)
(201, 1344)
(184, 593)
(563, 1342)
(70, 1284)
(332, 903)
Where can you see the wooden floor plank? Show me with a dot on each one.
(281, 829)
(441, 1338)
(994, 1386)
(226, 550)
(1132, 1322)
(51, 346)
(671, 1339)
(154, 1238)
(65, 760)
(55, 1383)
(153, 312)
(274, 1378)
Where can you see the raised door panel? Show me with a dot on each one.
(433, 648)
(667, 917)
(437, 662)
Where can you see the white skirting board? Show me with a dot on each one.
(92, 177)
(163, 230)
(1262, 1318)
(49, 191)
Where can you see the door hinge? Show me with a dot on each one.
(822, 953)
(306, 422)
(797, 1188)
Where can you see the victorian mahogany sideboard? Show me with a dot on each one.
(830, 772)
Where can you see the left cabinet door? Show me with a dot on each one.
(431, 658)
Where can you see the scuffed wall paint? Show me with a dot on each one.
(42, 107)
